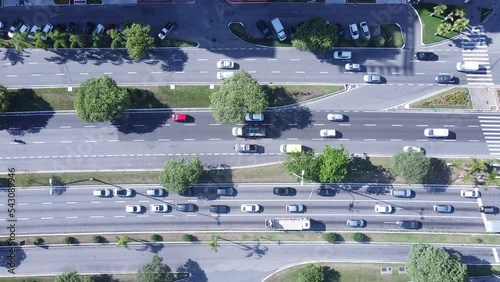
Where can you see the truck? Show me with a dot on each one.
(288, 224)
(249, 131)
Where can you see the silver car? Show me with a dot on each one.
(295, 208)
(443, 208)
(356, 222)
(158, 192)
(352, 67)
(372, 78)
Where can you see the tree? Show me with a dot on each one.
(312, 273)
(177, 175)
(39, 42)
(60, 39)
(96, 39)
(460, 25)
(439, 10)
(330, 237)
(116, 38)
(137, 40)
(75, 41)
(122, 241)
(4, 99)
(155, 271)
(20, 41)
(413, 166)
(214, 244)
(460, 12)
(305, 160)
(443, 29)
(100, 99)
(491, 178)
(333, 164)
(237, 96)
(72, 276)
(477, 166)
(427, 263)
(316, 35)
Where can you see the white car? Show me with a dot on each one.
(250, 208)
(469, 194)
(413, 148)
(33, 31)
(225, 64)
(342, 55)
(24, 28)
(122, 192)
(436, 132)
(353, 28)
(99, 29)
(102, 192)
(46, 30)
(133, 208)
(335, 117)
(383, 208)
(158, 192)
(365, 30)
(372, 78)
(352, 67)
(224, 74)
(328, 133)
(166, 30)
(158, 208)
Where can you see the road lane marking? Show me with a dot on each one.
(60, 74)
(300, 72)
(473, 140)
(108, 72)
(95, 202)
(272, 59)
(83, 73)
(119, 216)
(495, 254)
(71, 202)
(46, 218)
(36, 74)
(47, 203)
(249, 59)
(292, 139)
(96, 216)
(397, 125)
(189, 139)
(12, 75)
(71, 217)
(275, 71)
(203, 71)
(131, 72)
(370, 139)
(396, 139)
(202, 60)
(370, 124)
(344, 124)
(422, 125)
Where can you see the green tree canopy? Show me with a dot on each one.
(137, 40)
(312, 273)
(333, 164)
(236, 97)
(413, 166)
(155, 271)
(100, 99)
(427, 263)
(72, 276)
(4, 99)
(177, 175)
(305, 160)
(20, 41)
(316, 35)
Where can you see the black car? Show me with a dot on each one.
(410, 224)
(186, 207)
(60, 27)
(341, 30)
(264, 29)
(284, 191)
(190, 192)
(445, 78)
(246, 148)
(325, 192)
(488, 209)
(219, 209)
(71, 28)
(425, 56)
(89, 28)
(226, 191)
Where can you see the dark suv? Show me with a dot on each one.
(88, 28)
(71, 28)
(488, 209)
(284, 191)
(264, 29)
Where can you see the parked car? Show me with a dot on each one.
(284, 191)
(488, 209)
(225, 191)
(99, 29)
(413, 149)
(166, 30)
(185, 207)
(15, 27)
(157, 192)
(340, 29)
(470, 194)
(342, 55)
(352, 67)
(250, 208)
(219, 208)
(254, 117)
(384, 208)
(356, 223)
(325, 192)
(409, 224)
(225, 64)
(180, 117)
(425, 56)
(190, 192)
(445, 78)
(46, 30)
(335, 117)
(264, 29)
(365, 30)
(297, 208)
(88, 28)
(401, 193)
(71, 28)
(443, 208)
(102, 192)
(224, 74)
(36, 28)
(245, 148)
(24, 28)
(125, 192)
(372, 78)
(353, 28)
(133, 208)
(159, 208)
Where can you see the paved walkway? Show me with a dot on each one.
(484, 99)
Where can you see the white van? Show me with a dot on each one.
(467, 66)
(290, 148)
(279, 29)
(436, 132)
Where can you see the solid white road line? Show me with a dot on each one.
(495, 254)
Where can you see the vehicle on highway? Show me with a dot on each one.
(166, 30)
(254, 117)
(224, 74)
(443, 208)
(445, 78)
(468, 66)
(249, 131)
(15, 27)
(401, 193)
(365, 30)
(488, 209)
(219, 208)
(185, 207)
(99, 29)
(436, 132)
(327, 133)
(88, 28)
(352, 67)
(425, 56)
(290, 148)
(341, 31)
(102, 192)
(250, 208)
(225, 191)
(264, 29)
(48, 28)
(284, 191)
(159, 208)
(353, 28)
(413, 149)
(278, 29)
(133, 208)
(225, 64)
(356, 222)
(125, 192)
(246, 148)
(372, 78)
(180, 117)
(409, 224)
(157, 192)
(384, 208)
(190, 192)
(335, 117)
(325, 192)
(297, 208)
(342, 55)
(469, 193)
(36, 28)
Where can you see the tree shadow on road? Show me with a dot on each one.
(297, 117)
(10, 259)
(362, 170)
(192, 267)
(149, 122)
(13, 56)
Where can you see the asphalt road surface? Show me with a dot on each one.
(251, 261)
(74, 209)
(61, 142)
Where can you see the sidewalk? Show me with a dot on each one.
(484, 99)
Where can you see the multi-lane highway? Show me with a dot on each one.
(74, 209)
(62, 142)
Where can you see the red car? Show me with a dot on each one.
(179, 117)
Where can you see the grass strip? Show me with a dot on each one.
(456, 98)
(431, 23)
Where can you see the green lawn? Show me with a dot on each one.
(393, 35)
(456, 98)
(430, 24)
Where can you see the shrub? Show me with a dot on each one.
(188, 238)
(477, 240)
(156, 238)
(456, 98)
(96, 239)
(38, 241)
(69, 240)
(358, 237)
(330, 237)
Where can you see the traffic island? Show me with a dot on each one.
(455, 98)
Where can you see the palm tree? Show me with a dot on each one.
(443, 29)
(20, 41)
(491, 178)
(460, 12)
(122, 241)
(117, 38)
(96, 40)
(39, 42)
(60, 39)
(468, 178)
(477, 166)
(460, 25)
(439, 10)
(75, 41)
(214, 243)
